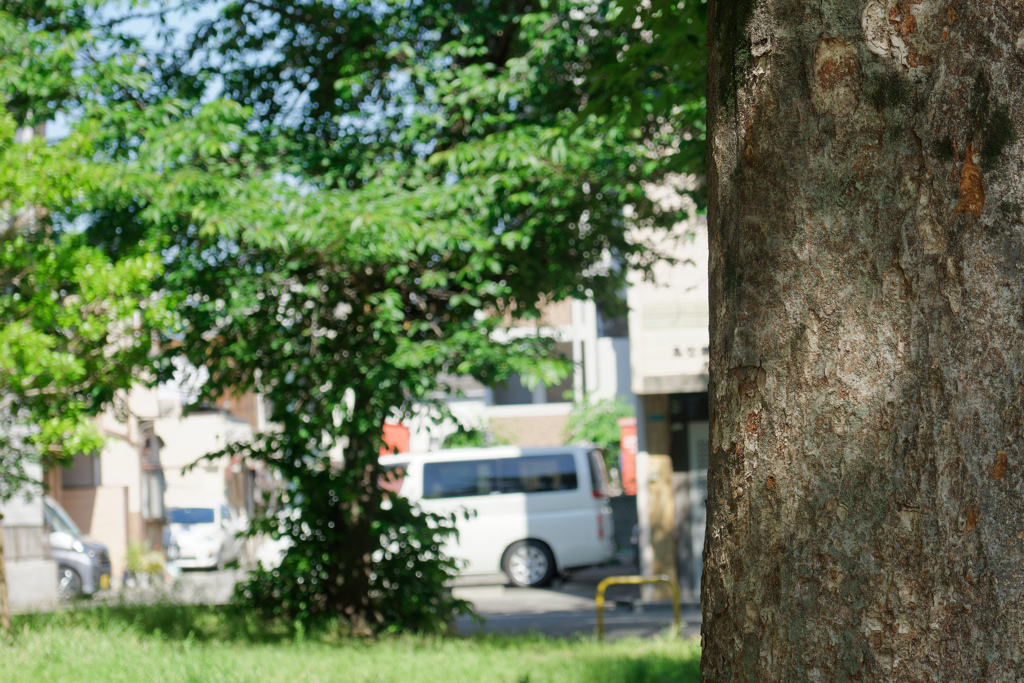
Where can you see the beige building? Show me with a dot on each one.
(120, 496)
(669, 354)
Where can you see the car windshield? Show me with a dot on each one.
(59, 521)
(191, 516)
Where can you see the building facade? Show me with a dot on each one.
(120, 495)
(598, 347)
(669, 351)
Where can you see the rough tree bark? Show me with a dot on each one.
(867, 330)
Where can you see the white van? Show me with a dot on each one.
(539, 511)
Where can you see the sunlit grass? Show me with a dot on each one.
(179, 643)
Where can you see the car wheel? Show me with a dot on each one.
(529, 564)
(69, 584)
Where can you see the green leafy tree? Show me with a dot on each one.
(467, 437)
(479, 436)
(597, 423)
(649, 81)
(348, 201)
(74, 322)
(441, 180)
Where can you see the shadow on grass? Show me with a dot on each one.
(167, 620)
(648, 661)
(646, 668)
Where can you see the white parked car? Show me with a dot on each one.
(203, 537)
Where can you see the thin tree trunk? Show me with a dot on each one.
(354, 605)
(5, 602)
(356, 611)
(865, 500)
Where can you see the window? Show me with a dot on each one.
(153, 487)
(83, 472)
(511, 393)
(531, 474)
(462, 478)
(598, 474)
(611, 325)
(537, 473)
(557, 393)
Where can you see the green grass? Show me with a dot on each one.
(184, 643)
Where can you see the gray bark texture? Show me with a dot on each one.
(866, 495)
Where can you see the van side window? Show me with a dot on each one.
(537, 473)
(530, 474)
(459, 478)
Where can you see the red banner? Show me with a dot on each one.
(396, 439)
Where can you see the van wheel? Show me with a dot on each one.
(529, 564)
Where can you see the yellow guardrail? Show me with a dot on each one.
(632, 581)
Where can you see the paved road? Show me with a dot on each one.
(514, 611)
(188, 587)
(569, 610)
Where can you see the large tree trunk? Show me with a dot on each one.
(867, 328)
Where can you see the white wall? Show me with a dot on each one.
(21, 512)
(185, 441)
(120, 466)
(668, 321)
(32, 585)
(31, 582)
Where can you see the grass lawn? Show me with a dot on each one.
(187, 643)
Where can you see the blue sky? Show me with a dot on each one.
(147, 29)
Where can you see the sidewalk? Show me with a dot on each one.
(568, 609)
(585, 581)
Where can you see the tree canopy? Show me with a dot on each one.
(596, 421)
(341, 203)
(72, 320)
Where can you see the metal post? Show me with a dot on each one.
(632, 580)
